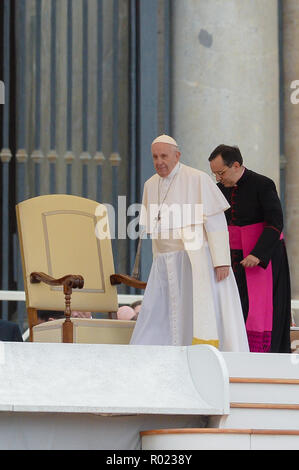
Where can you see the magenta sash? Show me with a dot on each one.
(259, 286)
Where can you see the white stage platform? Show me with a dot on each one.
(93, 396)
(87, 396)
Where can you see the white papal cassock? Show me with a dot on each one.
(183, 303)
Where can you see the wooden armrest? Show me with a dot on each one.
(69, 281)
(127, 280)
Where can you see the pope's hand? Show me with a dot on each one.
(221, 272)
(250, 261)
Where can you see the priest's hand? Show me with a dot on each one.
(221, 272)
(250, 261)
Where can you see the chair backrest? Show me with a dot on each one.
(57, 236)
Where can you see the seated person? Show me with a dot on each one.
(136, 306)
(46, 315)
(79, 314)
(10, 331)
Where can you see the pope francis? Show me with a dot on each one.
(191, 295)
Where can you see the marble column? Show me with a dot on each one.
(225, 80)
(291, 135)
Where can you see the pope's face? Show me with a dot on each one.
(165, 158)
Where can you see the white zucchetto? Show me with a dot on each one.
(165, 139)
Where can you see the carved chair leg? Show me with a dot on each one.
(32, 321)
(67, 327)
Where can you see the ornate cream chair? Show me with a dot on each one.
(68, 264)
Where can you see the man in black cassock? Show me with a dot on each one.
(259, 257)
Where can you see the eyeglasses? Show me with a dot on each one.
(221, 172)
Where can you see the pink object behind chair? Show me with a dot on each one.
(125, 313)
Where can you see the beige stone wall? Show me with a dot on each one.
(225, 80)
(291, 126)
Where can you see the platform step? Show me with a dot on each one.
(261, 365)
(264, 389)
(220, 439)
(260, 416)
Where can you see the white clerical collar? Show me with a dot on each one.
(171, 174)
(236, 183)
